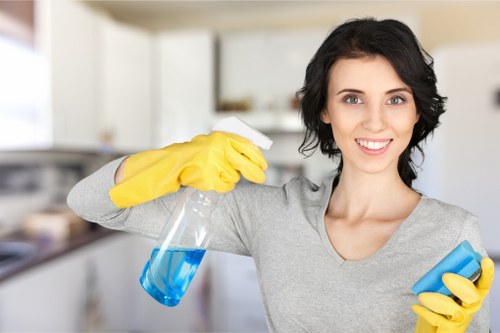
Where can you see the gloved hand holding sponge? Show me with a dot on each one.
(440, 313)
(207, 162)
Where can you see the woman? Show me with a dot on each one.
(343, 256)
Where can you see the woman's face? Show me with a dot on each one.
(371, 111)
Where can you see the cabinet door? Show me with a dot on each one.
(126, 91)
(88, 290)
(66, 33)
(265, 67)
(49, 298)
(186, 94)
(236, 304)
(110, 279)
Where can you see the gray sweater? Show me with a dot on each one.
(305, 285)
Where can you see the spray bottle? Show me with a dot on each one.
(186, 235)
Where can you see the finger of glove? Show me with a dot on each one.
(462, 287)
(433, 319)
(442, 304)
(248, 149)
(487, 275)
(248, 169)
(228, 174)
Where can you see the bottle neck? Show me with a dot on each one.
(204, 198)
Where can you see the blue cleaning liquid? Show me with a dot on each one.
(167, 274)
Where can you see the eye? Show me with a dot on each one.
(396, 100)
(352, 99)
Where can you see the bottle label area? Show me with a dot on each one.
(168, 273)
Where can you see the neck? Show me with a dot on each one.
(359, 194)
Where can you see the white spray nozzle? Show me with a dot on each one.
(237, 126)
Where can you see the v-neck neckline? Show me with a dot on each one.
(386, 247)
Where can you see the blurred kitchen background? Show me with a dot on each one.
(82, 82)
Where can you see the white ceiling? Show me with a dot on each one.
(165, 14)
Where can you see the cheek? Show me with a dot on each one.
(406, 123)
(344, 122)
(405, 132)
(340, 134)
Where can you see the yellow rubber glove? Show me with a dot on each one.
(441, 314)
(208, 162)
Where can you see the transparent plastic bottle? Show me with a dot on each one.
(186, 235)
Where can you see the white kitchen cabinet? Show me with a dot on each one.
(99, 79)
(109, 260)
(49, 298)
(66, 34)
(52, 297)
(266, 67)
(186, 84)
(126, 85)
(236, 301)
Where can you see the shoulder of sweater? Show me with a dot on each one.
(296, 187)
(446, 210)
(301, 182)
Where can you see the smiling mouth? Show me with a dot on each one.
(373, 145)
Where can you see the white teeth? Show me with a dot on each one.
(374, 145)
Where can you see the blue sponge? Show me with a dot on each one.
(463, 260)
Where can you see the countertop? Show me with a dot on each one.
(47, 251)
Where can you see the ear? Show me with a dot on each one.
(325, 117)
(418, 118)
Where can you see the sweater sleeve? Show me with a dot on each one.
(90, 199)
(471, 232)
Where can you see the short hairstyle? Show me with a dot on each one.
(358, 38)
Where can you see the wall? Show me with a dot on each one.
(462, 162)
(460, 22)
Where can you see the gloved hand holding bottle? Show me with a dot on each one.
(442, 314)
(208, 162)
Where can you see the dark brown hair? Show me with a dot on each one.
(368, 37)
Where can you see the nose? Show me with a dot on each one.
(374, 118)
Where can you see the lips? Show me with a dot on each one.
(373, 146)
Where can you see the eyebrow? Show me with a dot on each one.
(357, 91)
(406, 89)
